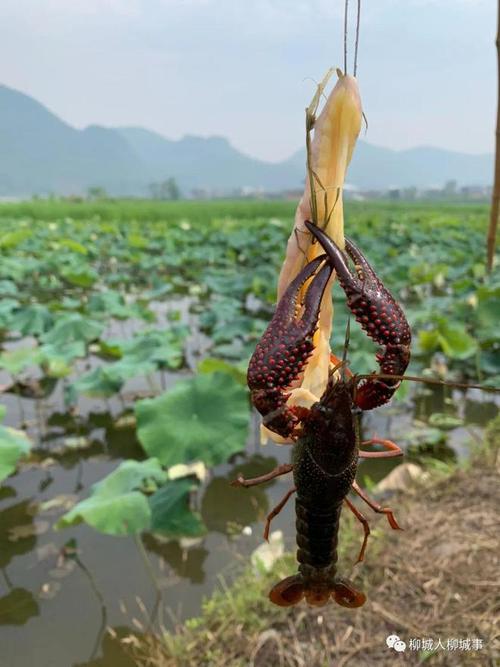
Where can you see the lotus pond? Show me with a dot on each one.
(125, 331)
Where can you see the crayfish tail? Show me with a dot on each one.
(288, 591)
(292, 590)
(346, 595)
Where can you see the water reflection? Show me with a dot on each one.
(17, 607)
(82, 437)
(20, 514)
(7, 492)
(479, 412)
(186, 562)
(440, 450)
(115, 649)
(227, 509)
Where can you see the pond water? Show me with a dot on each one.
(54, 612)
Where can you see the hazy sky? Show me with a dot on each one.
(245, 68)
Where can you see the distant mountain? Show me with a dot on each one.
(40, 153)
(212, 163)
(376, 168)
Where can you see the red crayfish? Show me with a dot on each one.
(325, 437)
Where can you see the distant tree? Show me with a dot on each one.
(96, 192)
(166, 190)
(154, 189)
(170, 189)
(450, 188)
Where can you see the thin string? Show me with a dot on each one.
(346, 11)
(357, 38)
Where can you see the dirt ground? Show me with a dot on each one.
(435, 585)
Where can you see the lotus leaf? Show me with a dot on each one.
(13, 445)
(204, 418)
(73, 327)
(117, 504)
(171, 514)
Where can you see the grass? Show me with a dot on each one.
(199, 211)
(150, 210)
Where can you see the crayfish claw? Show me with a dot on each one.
(335, 254)
(285, 347)
(378, 313)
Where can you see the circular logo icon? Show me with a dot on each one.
(399, 646)
(391, 640)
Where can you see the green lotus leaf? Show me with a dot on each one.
(57, 360)
(488, 308)
(14, 238)
(455, 342)
(110, 304)
(494, 381)
(137, 241)
(98, 383)
(7, 306)
(159, 290)
(8, 288)
(33, 319)
(171, 512)
(449, 337)
(73, 245)
(14, 270)
(428, 340)
(160, 348)
(444, 421)
(84, 276)
(240, 326)
(67, 352)
(204, 418)
(117, 504)
(110, 348)
(17, 360)
(127, 368)
(13, 445)
(212, 365)
(58, 368)
(73, 327)
(490, 362)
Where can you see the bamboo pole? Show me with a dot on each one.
(495, 203)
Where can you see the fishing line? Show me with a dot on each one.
(357, 38)
(346, 11)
